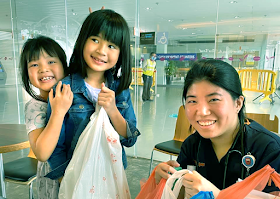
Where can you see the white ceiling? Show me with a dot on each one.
(183, 19)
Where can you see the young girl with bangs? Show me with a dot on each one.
(42, 65)
(100, 73)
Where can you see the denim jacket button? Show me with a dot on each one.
(81, 106)
(135, 133)
(124, 103)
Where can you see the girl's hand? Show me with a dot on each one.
(163, 169)
(194, 183)
(62, 101)
(106, 99)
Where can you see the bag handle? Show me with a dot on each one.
(151, 190)
(97, 108)
(175, 181)
(257, 180)
(96, 112)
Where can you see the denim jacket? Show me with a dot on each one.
(77, 118)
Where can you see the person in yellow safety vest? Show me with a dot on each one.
(148, 71)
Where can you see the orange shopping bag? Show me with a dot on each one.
(150, 190)
(256, 181)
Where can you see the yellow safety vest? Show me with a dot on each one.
(149, 69)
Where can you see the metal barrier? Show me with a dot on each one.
(259, 81)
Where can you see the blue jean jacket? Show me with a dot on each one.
(77, 118)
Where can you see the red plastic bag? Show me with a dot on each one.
(151, 190)
(257, 181)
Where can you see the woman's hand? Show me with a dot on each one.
(163, 169)
(106, 99)
(194, 183)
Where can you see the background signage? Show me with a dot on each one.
(162, 38)
(177, 56)
(147, 38)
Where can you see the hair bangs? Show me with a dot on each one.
(112, 31)
(35, 52)
(50, 51)
(91, 27)
(109, 25)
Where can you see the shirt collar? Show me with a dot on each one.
(78, 84)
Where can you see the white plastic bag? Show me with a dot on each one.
(96, 168)
(168, 193)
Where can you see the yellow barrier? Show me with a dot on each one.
(259, 81)
(139, 78)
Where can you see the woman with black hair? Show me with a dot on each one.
(226, 146)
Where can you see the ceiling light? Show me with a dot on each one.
(144, 47)
(233, 2)
(236, 17)
(148, 8)
(239, 26)
(193, 33)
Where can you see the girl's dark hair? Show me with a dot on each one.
(219, 73)
(32, 50)
(114, 29)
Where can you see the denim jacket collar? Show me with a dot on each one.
(78, 85)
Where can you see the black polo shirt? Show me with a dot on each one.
(261, 143)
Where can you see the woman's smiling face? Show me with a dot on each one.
(211, 109)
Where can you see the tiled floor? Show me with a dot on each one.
(155, 119)
(137, 170)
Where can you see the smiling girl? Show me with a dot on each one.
(42, 65)
(100, 69)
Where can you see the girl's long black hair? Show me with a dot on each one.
(113, 28)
